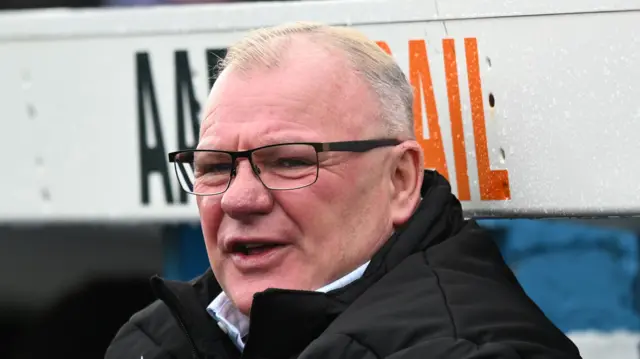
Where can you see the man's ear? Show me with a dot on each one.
(407, 172)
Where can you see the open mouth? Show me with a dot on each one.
(254, 248)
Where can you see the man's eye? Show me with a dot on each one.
(293, 162)
(213, 168)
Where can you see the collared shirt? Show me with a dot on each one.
(236, 325)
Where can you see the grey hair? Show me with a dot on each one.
(384, 76)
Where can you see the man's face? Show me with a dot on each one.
(323, 231)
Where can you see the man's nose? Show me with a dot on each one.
(246, 194)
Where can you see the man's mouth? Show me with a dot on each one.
(254, 248)
(258, 255)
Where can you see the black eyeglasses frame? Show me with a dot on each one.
(357, 146)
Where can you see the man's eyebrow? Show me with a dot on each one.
(265, 140)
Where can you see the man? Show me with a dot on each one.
(325, 235)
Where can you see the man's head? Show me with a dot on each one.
(307, 83)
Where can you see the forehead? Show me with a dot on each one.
(313, 95)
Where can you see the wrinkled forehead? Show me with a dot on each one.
(313, 98)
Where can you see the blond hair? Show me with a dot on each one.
(264, 47)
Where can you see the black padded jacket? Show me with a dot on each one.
(438, 289)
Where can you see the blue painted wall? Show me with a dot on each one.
(185, 255)
(582, 277)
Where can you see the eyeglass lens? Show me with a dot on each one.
(287, 166)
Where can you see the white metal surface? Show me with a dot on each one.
(565, 77)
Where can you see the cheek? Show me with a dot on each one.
(320, 209)
(210, 217)
(338, 197)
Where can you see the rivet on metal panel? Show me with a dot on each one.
(31, 111)
(46, 195)
(492, 100)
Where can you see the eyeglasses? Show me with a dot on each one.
(283, 166)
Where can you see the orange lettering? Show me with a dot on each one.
(384, 46)
(455, 113)
(494, 184)
(420, 77)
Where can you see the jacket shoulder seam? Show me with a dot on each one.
(444, 296)
(156, 343)
(152, 339)
(362, 344)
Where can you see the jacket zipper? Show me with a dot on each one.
(194, 351)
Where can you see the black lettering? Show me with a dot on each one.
(185, 97)
(152, 159)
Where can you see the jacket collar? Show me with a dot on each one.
(187, 302)
(301, 316)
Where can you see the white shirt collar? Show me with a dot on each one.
(236, 325)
